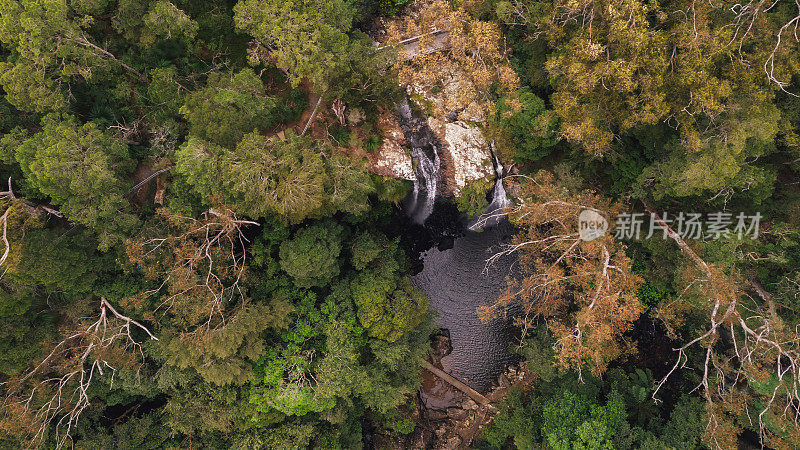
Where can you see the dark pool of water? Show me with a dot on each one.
(456, 283)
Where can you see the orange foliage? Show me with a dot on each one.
(584, 290)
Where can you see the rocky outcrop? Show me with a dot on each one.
(391, 158)
(468, 152)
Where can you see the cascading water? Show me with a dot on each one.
(494, 211)
(425, 156)
(427, 172)
(454, 276)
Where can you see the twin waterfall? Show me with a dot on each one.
(425, 157)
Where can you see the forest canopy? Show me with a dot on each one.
(202, 244)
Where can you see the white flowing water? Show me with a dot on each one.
(420, 138)
(495, 210)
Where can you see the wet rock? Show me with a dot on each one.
(441, 346)
(457, 413)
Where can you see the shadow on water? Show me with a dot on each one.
(449, 266)
(457, 282)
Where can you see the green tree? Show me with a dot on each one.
(311, 257)
(297, 178)
(308, 38)
(228, 107)
(80, 168)
(531, 129)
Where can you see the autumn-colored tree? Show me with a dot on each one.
(583, 289)
(57, 390)
(456, 53)
(747, 352)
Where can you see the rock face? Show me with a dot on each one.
(391, 158)
(468, 151)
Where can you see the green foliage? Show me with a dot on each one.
(312, 39)
(80, 168)
(223, 356)
(473, 197)
(532, 130)
(309, 37)
(720, 163)
(651, 295)
(228, 107)
(296, 178)
(388, 306)
(618, 413)
(311, 257)
(165, 20)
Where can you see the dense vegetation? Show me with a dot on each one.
(195, 254)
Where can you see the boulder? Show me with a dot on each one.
(468, 149)
(391, 158)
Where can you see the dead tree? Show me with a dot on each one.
(763, 347)
(338, 109)
(584, 290)
(198, 262)
(57, 388)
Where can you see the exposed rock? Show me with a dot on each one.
(391, 159)
(468, 149)
(457, 413)
(452, 443)
(441, 346)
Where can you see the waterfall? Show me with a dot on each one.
(424, 194)
(425, 156)
(493, 213)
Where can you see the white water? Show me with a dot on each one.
(494, 211)
(422, 142)
(424, 194)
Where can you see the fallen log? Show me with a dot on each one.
(472, 393)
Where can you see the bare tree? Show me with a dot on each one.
(58, 386)
(338, 108)
(583, 289)
(199, 262)
(762, 348)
